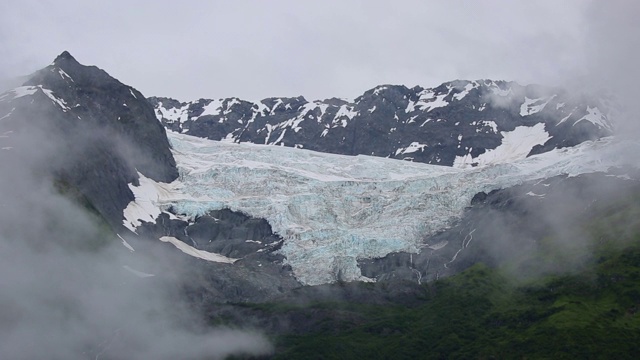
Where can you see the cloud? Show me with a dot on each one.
(613, 55)
(253, 49)
(70, 288)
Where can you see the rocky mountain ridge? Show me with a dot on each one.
(78, 131)
(253, 236)
(459, 123)
(117, 155)
(90, 132)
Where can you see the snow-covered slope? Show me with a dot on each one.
(515, 145)
(334, 209)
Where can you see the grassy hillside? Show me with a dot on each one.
(481, 314)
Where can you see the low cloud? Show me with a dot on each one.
(71, 290)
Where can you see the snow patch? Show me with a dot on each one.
(260, 108)
(532, 106)
(201, 254)
(137, 272)
(229, 105)
(173, 114)
(459, 96)
(323, 109)
(427, 101)
(20, 92)
(492, 125)
(345, 111)
(596, 117)
(64, 75)
(145, 206)
(516, 145)
(212, 108)
(275, 106)
(125, 243)
(279, 137)
(564, 119)
(413, 147)
(56, 100)
(379, 89)
(531, 193)
(8, 114)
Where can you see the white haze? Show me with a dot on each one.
(68, 295)
(318, 49)
(613, 55)
(61, 303)
(606, 65)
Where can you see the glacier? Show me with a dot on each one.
(332, 210)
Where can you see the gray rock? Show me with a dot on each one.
(89, 132)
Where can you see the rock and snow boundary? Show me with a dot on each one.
(334, 209)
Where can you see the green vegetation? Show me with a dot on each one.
(480, 313)
(87, 229)
(590, 311)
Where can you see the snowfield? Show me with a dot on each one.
(334, 209)
(516, 145)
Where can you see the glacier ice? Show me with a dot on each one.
(334, 209)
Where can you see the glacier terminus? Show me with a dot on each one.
(332, 210)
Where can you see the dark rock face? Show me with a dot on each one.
(502, 226)
(88, 131)
(257, 275)
(224, 232)
(94, 96)
(456, 119)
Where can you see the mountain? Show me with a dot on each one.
(545, 269)
(307, 241)
(91, 132)
(335, 213)
(98, 141)
(459, 123)
(292, 217)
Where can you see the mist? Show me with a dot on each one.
(71, 289)
(558, 221)
(254, 50)
(613, 55)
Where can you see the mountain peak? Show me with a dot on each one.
(66, 69)
(64, 56)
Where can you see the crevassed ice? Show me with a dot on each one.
(334, 209)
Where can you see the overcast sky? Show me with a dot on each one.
(318, 49)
